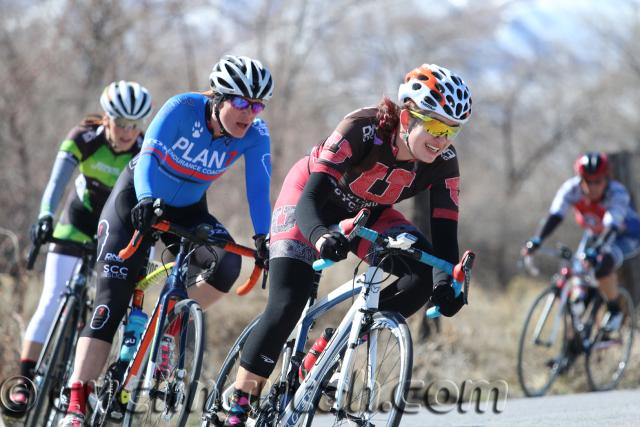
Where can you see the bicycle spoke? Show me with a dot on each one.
(610, 351)
(377, 394)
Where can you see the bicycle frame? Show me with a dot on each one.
(577, 270)
(174, 291)
(76, 285)
(367, 285)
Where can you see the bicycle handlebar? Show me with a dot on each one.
(461, 272)
(561, 251)
(34, 251)
(199, 235)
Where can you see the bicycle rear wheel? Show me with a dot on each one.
(55, 366)
(379, 379)
(609, 353)
(542, 345)
(173, 390)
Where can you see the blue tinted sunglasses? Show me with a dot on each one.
(240, 103)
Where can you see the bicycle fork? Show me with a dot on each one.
(556, 320)
(368, 300)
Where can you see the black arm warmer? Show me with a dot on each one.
(312, 200)
(549, 225)
(444, 234)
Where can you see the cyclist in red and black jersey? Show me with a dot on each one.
(376, 156)
(604, 206)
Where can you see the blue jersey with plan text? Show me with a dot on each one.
(180, 158)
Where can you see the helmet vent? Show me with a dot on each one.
(430, 101)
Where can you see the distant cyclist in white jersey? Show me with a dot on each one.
(604, 206)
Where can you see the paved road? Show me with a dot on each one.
(614, 408)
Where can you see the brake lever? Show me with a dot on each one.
(467, 265)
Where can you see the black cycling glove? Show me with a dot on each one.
(42, 230)
(142, 215)
(335, 247)
(261, 242)
(444, 297)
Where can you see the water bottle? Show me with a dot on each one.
(134, 328)
(311, 357)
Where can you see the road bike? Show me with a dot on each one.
(363, 375)
(568, 319)
(55, 364)
(158, 385)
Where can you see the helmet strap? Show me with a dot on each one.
(108, 135)
(216, 110)
(404, 135)
(405, 138)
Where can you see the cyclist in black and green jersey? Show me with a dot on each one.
(100, 147)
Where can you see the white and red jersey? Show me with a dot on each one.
(613, 210)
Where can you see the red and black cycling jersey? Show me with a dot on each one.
(388, 181)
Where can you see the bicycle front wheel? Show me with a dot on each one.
(217, 404)
(542, 343)
(379, 379)
(174, 385)
(609, 352)
(54, 366)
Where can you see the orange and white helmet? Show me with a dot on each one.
(436, 89)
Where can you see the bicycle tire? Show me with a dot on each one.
(54, 364)
(606, 346)
(215, 406)
(142, 408)
(392, 409)
(551, 369)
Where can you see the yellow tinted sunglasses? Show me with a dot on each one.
(435, 127)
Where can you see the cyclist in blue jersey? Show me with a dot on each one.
(99, 148)
(190, 143)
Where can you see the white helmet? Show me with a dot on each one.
(128, 100)
(241, 75)
(434, 88)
